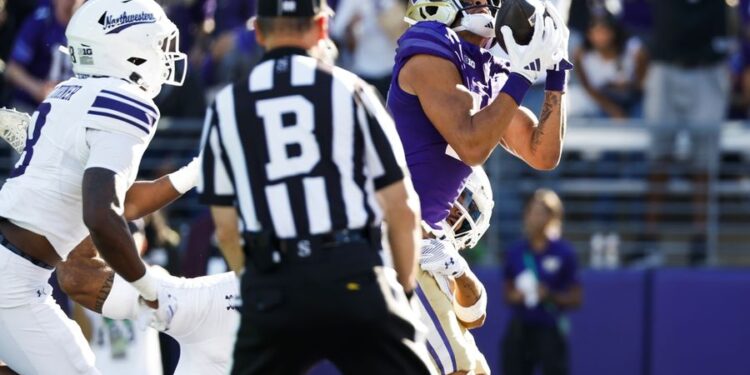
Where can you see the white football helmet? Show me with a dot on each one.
(471, 213)
(128, 39)
(446, 11)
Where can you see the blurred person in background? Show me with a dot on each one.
(36, 63)
(611, 68)
(740, 101)
(686, 101)
(540, 285)
(368, 31)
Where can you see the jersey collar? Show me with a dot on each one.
(283, 51)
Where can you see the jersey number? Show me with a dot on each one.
(290, 125)
(40, 119)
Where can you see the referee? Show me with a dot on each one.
(307, 158)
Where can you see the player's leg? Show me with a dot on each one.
(270, 339)
(516, 349)
(447, 342)
(553, 352)
(37, 336)
(388, 339)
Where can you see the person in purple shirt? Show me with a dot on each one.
(540, 284)
(453, 103)
(36, 64)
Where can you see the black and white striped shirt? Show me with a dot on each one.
(299, 148)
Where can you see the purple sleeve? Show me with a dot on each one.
(570, 267)
(26, 40)
(427, 38)
(509, 274)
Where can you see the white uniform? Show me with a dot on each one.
(83, 123)
(205, 321)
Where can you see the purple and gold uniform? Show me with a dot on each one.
(439, 175)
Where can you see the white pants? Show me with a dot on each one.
(205, 322)
(36, 337)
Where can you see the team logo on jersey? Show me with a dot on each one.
(551, 264)
(115, 24)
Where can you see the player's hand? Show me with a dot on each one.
(441, 258)
(529, 60)
(13, 126)
(560, 59)
(165, 312)
(186, 177)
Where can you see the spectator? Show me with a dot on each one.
(740, 106)
(611, 68)
(686, 99)
(36, 64)
(224, 15)
(541, 283)
(367, 31)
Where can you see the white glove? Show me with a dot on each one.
(13, 127)
(441, 258)
(528, 285)
(530, 60)
(186, 177)
(161, 318)
(561, 53)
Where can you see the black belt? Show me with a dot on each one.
(266, 249)
(19, 252)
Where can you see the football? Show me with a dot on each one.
(518, 15)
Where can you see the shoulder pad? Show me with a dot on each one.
(429, 38)
(114, 109)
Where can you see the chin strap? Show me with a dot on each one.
(480, 24)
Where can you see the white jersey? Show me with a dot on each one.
(43, 193)
(124, 346)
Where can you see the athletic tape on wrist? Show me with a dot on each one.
(146, 286)
(185, 178)
(557, 80)
(516, 86)
(474, 312)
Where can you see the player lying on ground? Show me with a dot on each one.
(80, 158)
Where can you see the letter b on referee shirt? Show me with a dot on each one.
(292, 147)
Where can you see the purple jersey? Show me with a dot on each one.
(436, 171)
(556, 267)
(36, 49)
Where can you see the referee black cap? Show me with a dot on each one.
(291, 8)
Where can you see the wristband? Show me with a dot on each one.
(146, 286)
(557, 80)
(186, 177)
(474, 312)
(516, 86)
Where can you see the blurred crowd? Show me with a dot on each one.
(629, 53)
(681, 64)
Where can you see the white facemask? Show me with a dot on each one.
(481, 24)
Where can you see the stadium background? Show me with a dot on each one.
(664, 295)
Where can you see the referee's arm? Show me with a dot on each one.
(216, 188)
(397, 198)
